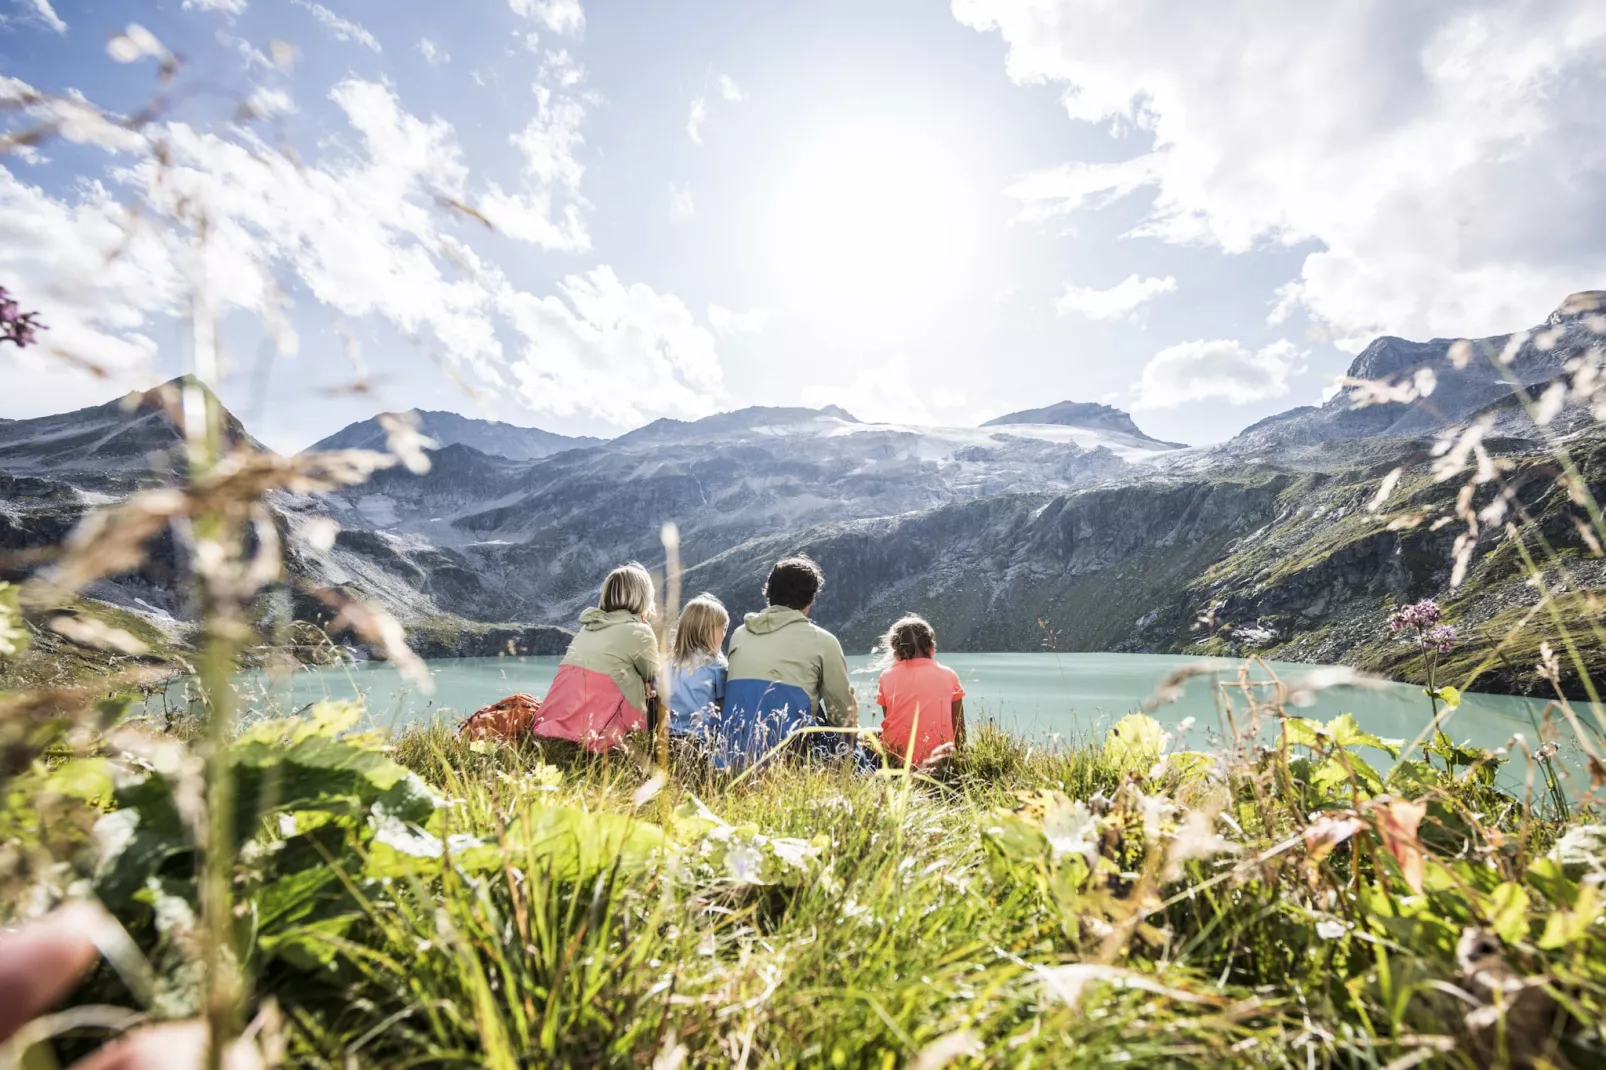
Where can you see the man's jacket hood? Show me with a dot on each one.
(771, 619)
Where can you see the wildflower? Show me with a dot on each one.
(17, 326)
(1420, 616)
(1070, 828)
(1441, 638)
(745, 863)
(1330, 929)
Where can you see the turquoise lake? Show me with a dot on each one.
(1041, 695)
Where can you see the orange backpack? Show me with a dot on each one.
(508, 720)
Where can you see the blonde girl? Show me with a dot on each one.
(697, 668)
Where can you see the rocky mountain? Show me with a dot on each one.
(449, 429)
(1066, 526)
(1090, 416)
(1446, 381)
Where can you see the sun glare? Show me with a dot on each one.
(873, 225)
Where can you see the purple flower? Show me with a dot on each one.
(16, 326)
(1440, 638)
(1421, 616)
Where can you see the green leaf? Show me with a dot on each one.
(1565, 926)
(1302, 731)
(1134, 743)
(568, 844)
(1508, 912)
(1341, 731)
(1014, 838)
(1344, 731)
(1450, 696)
(1412, 777)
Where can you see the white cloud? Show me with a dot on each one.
(695, 121)
(1118, 302)
(893, 389)
(621, 353)
(47, 15)
(359, 230)
(433, 53)
(1219, 370)
(227, 7)
(559, 16)
(729, 92)
(1445, 156)
(726, 322)
(97, 284)
(681, 204)
(342, 29)
(547, 213)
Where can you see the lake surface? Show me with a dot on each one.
(1041, 695)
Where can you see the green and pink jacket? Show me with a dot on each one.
(600, 692)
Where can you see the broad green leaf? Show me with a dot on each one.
(1450, 696)
(1014, 838)
(1508, 912)
(320, 773)
(1135, 742)
(1344, 731)
(1412, 776)
(1301, 731)
(88, 779)
(569, 844)
(1565, 926)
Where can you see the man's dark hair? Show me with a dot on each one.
(794, 582)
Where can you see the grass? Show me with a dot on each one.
(1069, 906)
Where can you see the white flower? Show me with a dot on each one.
(745, 863)
(1330, 929)
(1070, 828)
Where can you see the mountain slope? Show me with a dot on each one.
(1465, 378)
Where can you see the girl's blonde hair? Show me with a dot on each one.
(909, 637)
(701, 629)
(628, 587)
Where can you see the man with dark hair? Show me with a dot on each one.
(786, 672)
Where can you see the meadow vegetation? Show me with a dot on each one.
(427, 900)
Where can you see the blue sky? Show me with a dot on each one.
(920, 211)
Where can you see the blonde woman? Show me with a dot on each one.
(600, 692)
(697, 666)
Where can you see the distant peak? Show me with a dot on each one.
(1085, 414)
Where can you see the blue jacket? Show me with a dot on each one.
(786, 673)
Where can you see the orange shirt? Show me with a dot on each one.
(923, 690)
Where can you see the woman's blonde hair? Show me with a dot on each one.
(628, 587)
(701, 629)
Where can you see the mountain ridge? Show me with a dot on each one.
(1066, 522)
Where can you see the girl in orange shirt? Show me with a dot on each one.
(921, 699)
